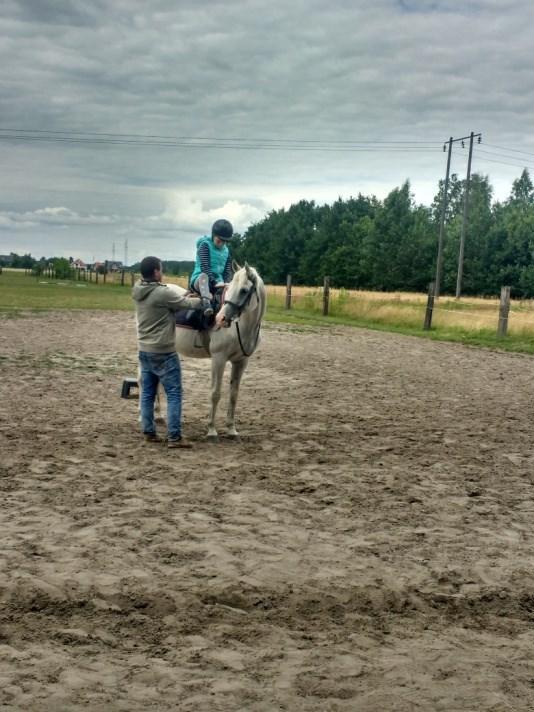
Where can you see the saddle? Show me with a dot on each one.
(194, 318)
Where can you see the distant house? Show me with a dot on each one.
(106, 266)
(79, 264)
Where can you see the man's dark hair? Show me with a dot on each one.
(148, 266)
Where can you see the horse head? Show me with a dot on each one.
(245, 285)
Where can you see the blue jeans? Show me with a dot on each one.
(164, 369)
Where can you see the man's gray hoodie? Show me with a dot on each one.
(155, 305)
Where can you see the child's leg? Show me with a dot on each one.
(202, 286)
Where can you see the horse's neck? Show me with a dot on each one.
(252, 317)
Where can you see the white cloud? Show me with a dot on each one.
(190, 214)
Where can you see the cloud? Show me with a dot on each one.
(9, 223)
(59, 216)
(185, 214)
(391, 70)
(189, 214)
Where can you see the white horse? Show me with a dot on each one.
(243, 309)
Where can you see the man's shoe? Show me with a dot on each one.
(152, 438)
(180, 442)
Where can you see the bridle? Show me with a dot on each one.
(238, 308)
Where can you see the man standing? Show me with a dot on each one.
(155, 306)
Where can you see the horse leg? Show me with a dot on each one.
(217, 370)
(238, 368)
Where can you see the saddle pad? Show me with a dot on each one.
(193, 319)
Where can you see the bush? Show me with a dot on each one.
(62, 268)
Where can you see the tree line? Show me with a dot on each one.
(366, 243)
(63, 266)
(387, 245)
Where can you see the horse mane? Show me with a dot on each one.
(251, 273)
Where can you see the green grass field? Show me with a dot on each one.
(20, 293)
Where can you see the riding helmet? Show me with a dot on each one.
(222, 229)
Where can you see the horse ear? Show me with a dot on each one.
(250, 273)
(235, 266)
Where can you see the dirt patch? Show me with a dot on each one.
(367, 545)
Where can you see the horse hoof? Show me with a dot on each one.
(212, 438)
(235, 437)
(159, 419)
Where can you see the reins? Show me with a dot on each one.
(239, 308)
(241, 343)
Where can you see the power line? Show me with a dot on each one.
(264, 147)
(514, 150)
(502, 155)
(505, 163)
(73, 133)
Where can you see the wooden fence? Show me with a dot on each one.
(432, 304)
(504, 310)
(76, 274)
(353, 304)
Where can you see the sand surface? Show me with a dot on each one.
(367, 546)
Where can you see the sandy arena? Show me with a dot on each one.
(367, 546)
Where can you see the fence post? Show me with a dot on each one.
(429, 306)
(132, 277)
(122, 278)
(96, 276)
(504, 310)
(326, 295)
(105, 275)
(288, 292)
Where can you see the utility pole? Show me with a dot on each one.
(125, 252)
(439, 265)
(464, 219)
(113, 253)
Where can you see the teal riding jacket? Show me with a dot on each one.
(212, 260)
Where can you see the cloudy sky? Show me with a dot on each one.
(146, 121)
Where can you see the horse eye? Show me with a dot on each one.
(242, 290)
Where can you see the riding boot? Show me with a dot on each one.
(203, 286)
